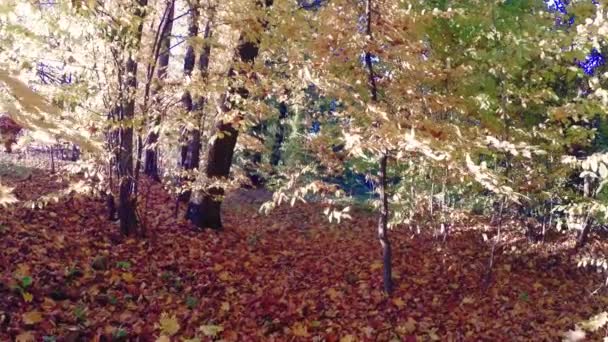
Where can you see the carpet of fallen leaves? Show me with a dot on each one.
(66, 275)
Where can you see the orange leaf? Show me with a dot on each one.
(32, 317)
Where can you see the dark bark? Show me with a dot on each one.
(384, 210)
(383, 228)
(191, 149)
(583, 236)
(151, 155)
(205, 212)
(111, 204)
(279, 137)
(204, 209)
(126, 198)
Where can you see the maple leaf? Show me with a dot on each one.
(348, 338)
(408, 327)
(25, 336)
(574, 335)
(211, 330)
(595, 322)
(27, 297)
(225, 306)
(399, 302)
(333, 293)
(32, 317)
(168, 324)
(128, 277)
(163, 338)
(300, 329)
(376, 265)
(6, 196)
(224, 276)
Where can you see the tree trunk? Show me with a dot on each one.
(204, 209)
(383, 229)
(279, 137)
(126, 199)
(151, 156)
(587, 223)
(384, 213)
(190, 152)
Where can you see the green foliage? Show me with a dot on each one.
(191, 302)
(124, 265)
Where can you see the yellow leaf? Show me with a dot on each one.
(224, 276)
(225, 306)
(194, 339)
(408, 327)
(399, 303)
(347, 338)
(168, 324)
(128, 277)
(300, 330)
(377, 265)
(163, 338)
(468, 300)
(211, 330)
(32, 317)
(27, 297)
(25, 337)
(333, 293)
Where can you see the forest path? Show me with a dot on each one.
(287, 275)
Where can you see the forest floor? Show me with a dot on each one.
(66, 275)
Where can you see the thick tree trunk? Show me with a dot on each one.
(126, 198)
(204, 209)
(383, 228)
(151, 155)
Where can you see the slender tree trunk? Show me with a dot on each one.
(52, 159)
(151, 155)
(587, 223)
(279, 136)
(204, 208)
(384, 210)
(383, 228)
(190, 152)
(126, 198)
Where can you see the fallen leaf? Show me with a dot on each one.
(347, 338)
(399, 302)
(128, 277)
(27, 297)
(224, 276)
(163, 338)
(376, 265)
(25, 337)
(211, 330)
(168, 324)
(225, 306)
(300, 329)
(32, 317)
(408, 327)
(574, 335)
